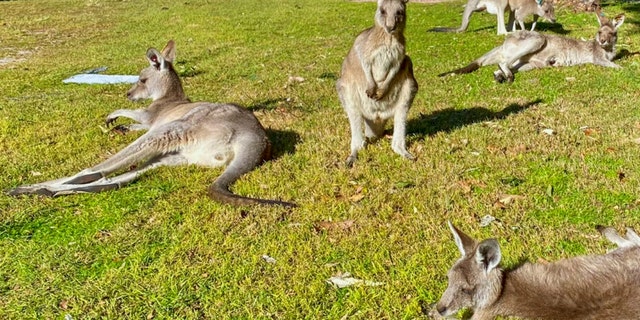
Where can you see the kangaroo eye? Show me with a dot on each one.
(143, 81)
(383, 12)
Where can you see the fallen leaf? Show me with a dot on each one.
(548, 132)
(487, 220)
(505, 200)
(268, 259)
(356, 197)
(346, 280)
(331, 225)
(64, 304)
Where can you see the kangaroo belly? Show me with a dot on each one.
(379, 109)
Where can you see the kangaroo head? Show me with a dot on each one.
(546, 11)
(391, 15)
(607, 35)
(475, 281)
(159, 79)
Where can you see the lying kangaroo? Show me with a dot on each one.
(527, 50)
(180, 132)
(377, 82)
(602, 287)
(521, 9)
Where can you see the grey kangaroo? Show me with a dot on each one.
(521, 9)
(602, 287)
(377, 82)
(180, 132)
(518, 10)
(527, 50)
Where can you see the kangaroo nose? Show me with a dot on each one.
(441, 310)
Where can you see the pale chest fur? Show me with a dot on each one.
(385, 57)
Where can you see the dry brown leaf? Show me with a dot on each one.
(356, 197)
(505, 200)
(334, 225)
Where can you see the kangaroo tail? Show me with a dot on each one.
(471, 67)
(219, 192)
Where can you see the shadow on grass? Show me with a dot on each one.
(450, 119)
(282, 142)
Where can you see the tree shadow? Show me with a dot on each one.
(282, 142)
(450, 119)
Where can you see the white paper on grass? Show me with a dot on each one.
(346, 280)
(100, 79)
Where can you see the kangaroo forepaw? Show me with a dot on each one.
(122, 129)
(110, 120)
(372, 92)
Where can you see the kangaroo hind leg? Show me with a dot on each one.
(515, 52)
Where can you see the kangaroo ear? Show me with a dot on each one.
(169, 51)
(618, 20)
(488, 254)
(156, 59)
(464, 242)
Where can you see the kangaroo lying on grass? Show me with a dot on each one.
(499, 7)
(377, 82)
(180, 132)
(521, 9)
(526, 50)
(602, 287)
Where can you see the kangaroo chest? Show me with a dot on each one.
(385, 59)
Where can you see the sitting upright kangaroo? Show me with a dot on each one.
(377, 82)
(180, 132)
(597, 287)
(527, 50)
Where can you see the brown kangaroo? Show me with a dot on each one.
(180, 132)
(377, 82)
(602, 287)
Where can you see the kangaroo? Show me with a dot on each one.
(527, 50)
(603, 287)
(180, 132)
(377, 82)
(521, 9)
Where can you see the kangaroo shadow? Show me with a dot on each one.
(268, 104)
(624, 53)
(450, 119)
(282, 142)
(556, 28)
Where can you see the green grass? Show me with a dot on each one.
(160, 248)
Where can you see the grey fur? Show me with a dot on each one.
(180, 132)
(603, 287)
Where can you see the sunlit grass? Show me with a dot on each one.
(160, 248)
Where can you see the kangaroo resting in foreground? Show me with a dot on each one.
(596, 287)
(527, 50)
(180, 132)
(376, 82)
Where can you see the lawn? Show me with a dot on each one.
(549, 157)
